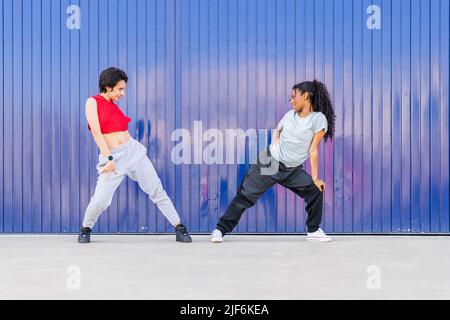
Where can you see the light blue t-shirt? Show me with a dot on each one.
(296, 135)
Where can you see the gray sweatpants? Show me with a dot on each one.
(131, 160)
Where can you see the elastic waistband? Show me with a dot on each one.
(123, 145)
(283, 166)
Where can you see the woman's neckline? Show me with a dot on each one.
(300, 117)
(110, 101)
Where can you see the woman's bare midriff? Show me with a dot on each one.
(115, 139)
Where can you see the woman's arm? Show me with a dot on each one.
(276, 136)
(92, 119)
(314, 159)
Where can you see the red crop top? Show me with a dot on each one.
(111, 118)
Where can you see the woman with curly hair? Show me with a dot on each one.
(296, 139)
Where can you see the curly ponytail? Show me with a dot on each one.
(321, 102)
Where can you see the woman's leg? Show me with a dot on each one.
(107, 184)
(144, 173)
(302, 184)
(252, 187)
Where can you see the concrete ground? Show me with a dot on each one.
(242, 267)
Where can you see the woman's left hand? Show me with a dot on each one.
(109, 167)
(320, 184)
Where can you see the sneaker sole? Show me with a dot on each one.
(318, 240)
(216, 240)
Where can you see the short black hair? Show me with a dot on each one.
(110, 77)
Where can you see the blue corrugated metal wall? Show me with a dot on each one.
(229, 64)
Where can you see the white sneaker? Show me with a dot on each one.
(216, 236)
(318, 236)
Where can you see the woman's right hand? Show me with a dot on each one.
(109, 167)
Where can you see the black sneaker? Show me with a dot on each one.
(182, 234)
(85, 235)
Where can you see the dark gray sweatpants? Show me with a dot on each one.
(263, 175)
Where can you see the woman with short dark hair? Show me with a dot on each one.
(120, 156)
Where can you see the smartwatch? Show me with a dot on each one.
(110, 158)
